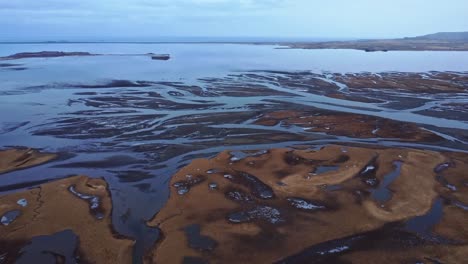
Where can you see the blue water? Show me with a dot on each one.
(40, 96)
(190, 61)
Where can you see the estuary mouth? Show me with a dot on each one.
(165, 161)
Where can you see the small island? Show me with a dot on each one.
(45, 54)
(56, 54)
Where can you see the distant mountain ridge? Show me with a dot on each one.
(443, 36)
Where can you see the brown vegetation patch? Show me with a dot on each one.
(277, 203)
(80, 204)
(347, 124)
(15, 159)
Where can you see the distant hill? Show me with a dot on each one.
(443, 41)
(443, 36)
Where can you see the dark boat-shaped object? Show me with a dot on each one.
(160, 56)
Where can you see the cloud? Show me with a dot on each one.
(26, 12)
(106, 6)
(331, 18)
(54, 16)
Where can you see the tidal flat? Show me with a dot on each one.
(232, 154)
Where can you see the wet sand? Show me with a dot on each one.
(257, 206)
(349, 125)
(79, 206)
(14, 159)
(432, 82)
(329, 205)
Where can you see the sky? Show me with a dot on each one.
(150, 19)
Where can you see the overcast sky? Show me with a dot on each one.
(101, 19)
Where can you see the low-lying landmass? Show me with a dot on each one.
(14, 159)
(45, 54)
(442, 41)
(356, 204)
(334, 205)
(65, 221)
(447, 41)
(349, 125)
(56, 54)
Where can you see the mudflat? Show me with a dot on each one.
(71, 216)
(14, 159)
(337, 204)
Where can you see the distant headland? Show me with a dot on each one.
(443, 41)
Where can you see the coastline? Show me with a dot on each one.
(371, 45)
(385, 45)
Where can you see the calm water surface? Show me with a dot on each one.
(39, 98)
